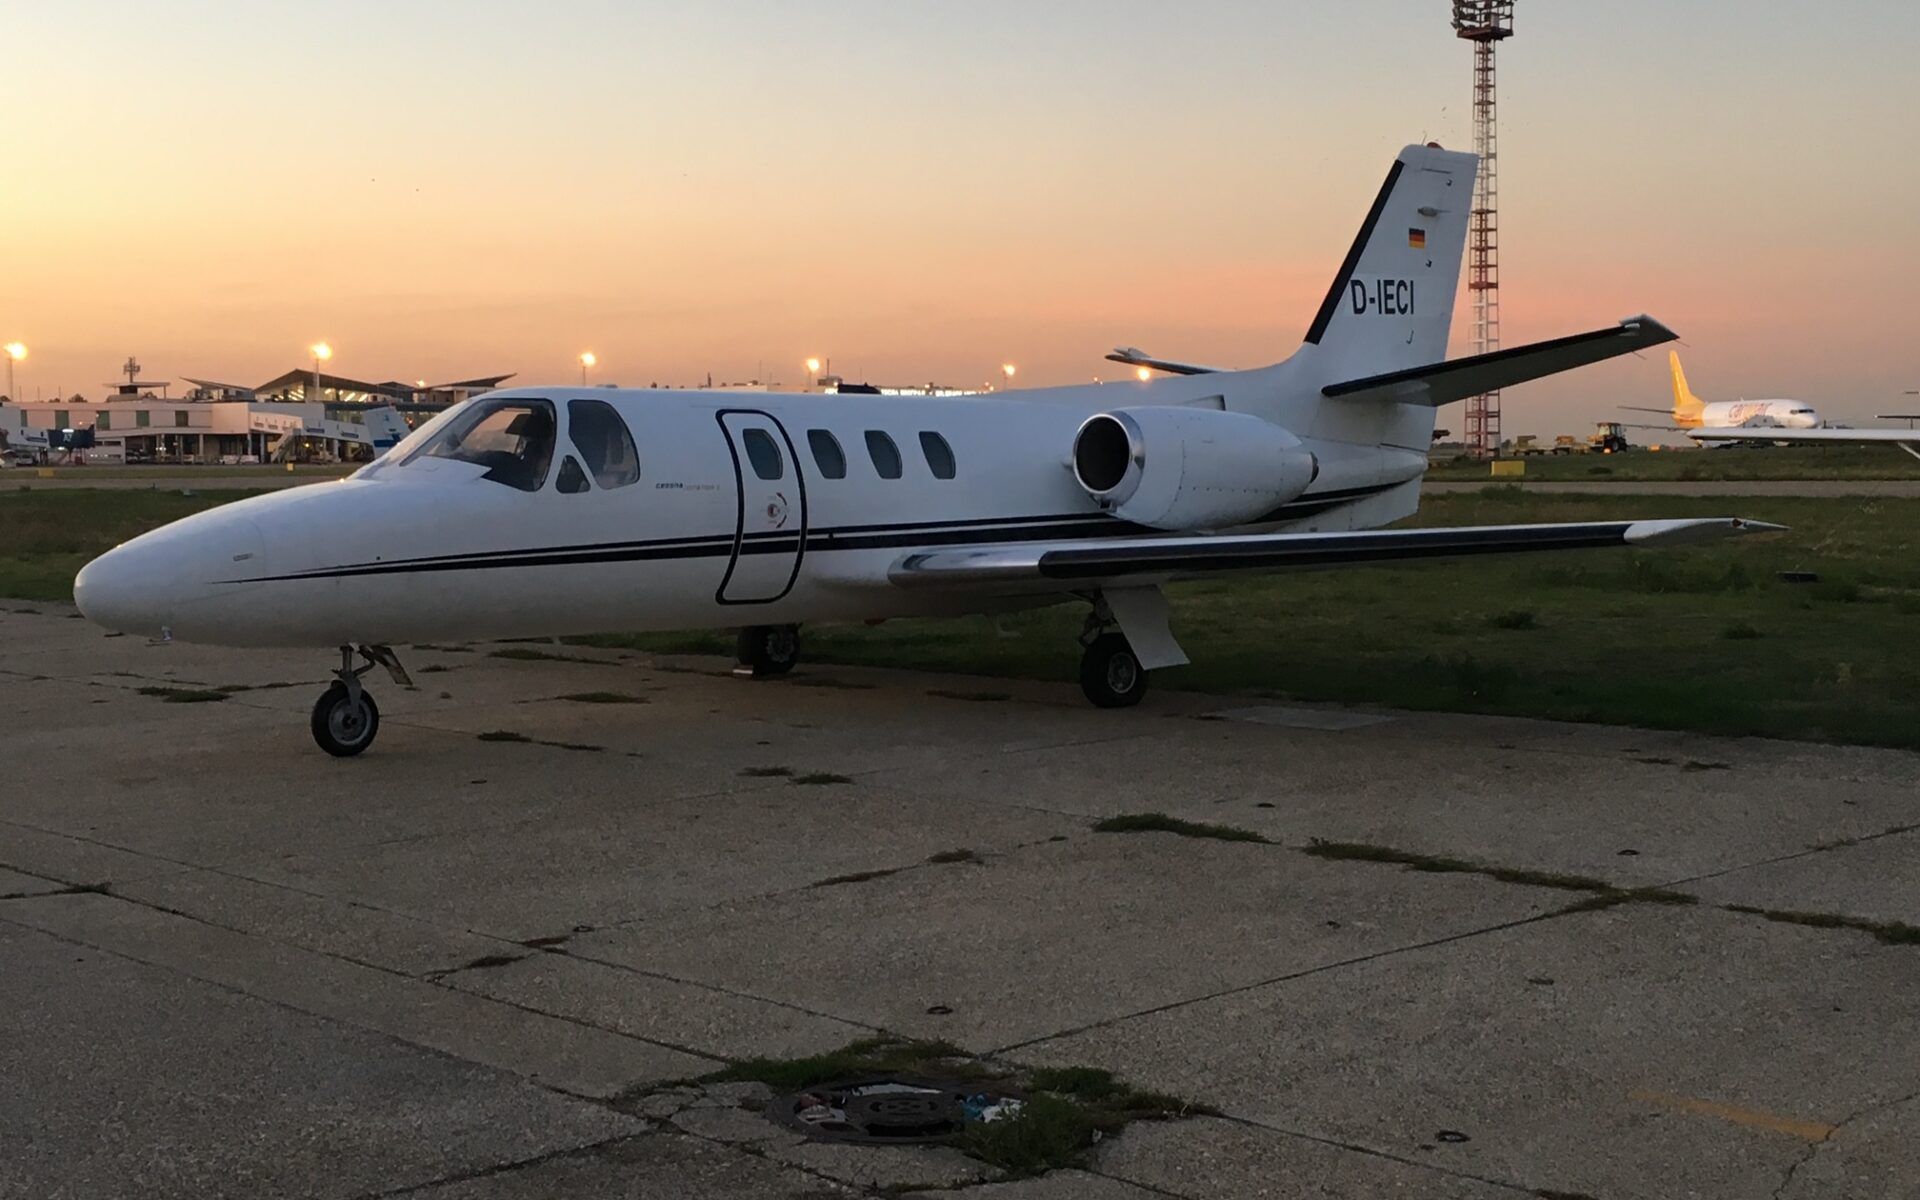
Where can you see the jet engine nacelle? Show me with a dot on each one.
(1189, 468)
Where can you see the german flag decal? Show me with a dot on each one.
(1417, 238)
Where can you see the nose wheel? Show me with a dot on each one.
(345, 717)
(344, 724)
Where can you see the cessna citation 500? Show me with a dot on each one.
(568, 510)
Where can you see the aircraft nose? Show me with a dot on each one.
(148, 585)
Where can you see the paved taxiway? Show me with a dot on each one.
(230, 965)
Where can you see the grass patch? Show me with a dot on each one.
(1894, 933)
(175, 695)
(976, 697)
(528, 654)
(1729, 463)
(1394, 635)
(1154, 822)
(1601, 893)
(868, 1056)
(603, 698)
(1064, 1112)
(821, 778)
(855, 877)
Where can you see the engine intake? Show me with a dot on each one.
(1189, 468)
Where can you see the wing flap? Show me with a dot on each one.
(1443, 383)
(1052, 566)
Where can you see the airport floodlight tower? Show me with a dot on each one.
(1484, 23)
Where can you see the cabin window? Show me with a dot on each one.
(512, 439)
(604, 443)
(571, 479)
(939, 454)
(885, 455)
(827, 454)
(762, 453)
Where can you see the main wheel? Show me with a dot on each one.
(769, 649)
(344, 727)
(1110, 675)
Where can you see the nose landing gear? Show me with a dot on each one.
(345, 718)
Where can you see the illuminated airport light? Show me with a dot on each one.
(813, 367)
(1144, 374)
(16, 350)
(589, 359)
(321, 351)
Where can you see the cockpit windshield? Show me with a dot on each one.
(511, 438)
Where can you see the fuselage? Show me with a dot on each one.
(1777, 414)
(711, 530)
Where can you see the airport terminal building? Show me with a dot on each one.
(299, 414)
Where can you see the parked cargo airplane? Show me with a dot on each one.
(567, 510)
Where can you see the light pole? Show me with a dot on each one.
(587, 359)
(1009, 370)
(15, 352)
(813, 373)
(321, 353)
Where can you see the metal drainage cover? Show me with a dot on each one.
(893, 1109)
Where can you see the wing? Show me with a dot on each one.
(1906, 439)
(1141, 561)
(1443, 383)
(1133, 356)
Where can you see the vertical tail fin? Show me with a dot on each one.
(1391, 305)
(1687, 407)
(387, 428)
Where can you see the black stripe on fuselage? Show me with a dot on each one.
(905, 535)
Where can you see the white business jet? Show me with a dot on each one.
(570, 510)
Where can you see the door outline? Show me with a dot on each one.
(740, 504)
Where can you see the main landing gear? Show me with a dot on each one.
(345, 718)
(768, 650)
(1110, 672)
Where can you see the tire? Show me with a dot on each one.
(1110, 675)
(769, 649)
(340, 727)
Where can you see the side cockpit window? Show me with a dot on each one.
(512, 439)
(604, 443)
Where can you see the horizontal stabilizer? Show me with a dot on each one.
(1443, 383)
(1133, 356)
(1047, 566)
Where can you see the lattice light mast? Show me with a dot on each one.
(1484, 23)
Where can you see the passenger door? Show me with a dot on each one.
(771, 531)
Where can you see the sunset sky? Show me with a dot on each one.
(925, 190)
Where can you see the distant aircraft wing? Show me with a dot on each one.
(1906, 439)
(1133, 356)
(1443, 383)
(1141, 561)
